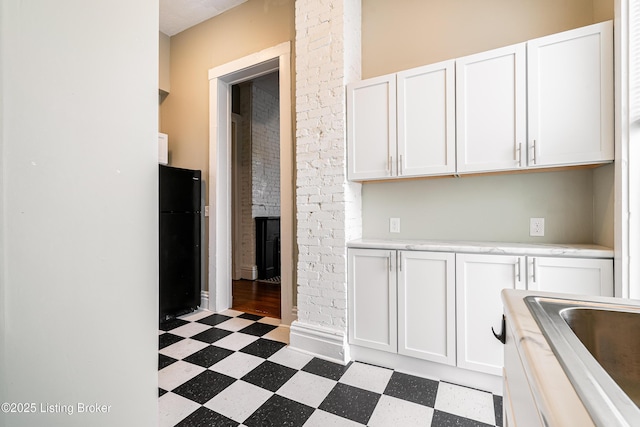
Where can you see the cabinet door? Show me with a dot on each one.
(372, 299)
(491, 110)
(570, 95)
(479, 280)
(426, 120)
(426, 305)
(571, 275)
(371, 128)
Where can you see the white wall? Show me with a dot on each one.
(488, 208)
(247, 226)
(328, 206)
(265, 146)
(3, 388)
(79, 209)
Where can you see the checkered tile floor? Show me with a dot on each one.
(234, 369)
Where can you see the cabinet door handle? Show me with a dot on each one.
(400, 165)
(400, 261)
(388, 169)
(502, 337)
(534, 153)
(518, 279)
(519, 149)
(533, 270)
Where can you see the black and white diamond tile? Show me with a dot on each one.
(235, 369)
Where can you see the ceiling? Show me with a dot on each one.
(178, 15)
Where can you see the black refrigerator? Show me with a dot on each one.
(180, 240)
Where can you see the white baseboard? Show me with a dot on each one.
(427, 369)
(249, 272)
(324, 343)
(204, 300)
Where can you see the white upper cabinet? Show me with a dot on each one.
(491, 110)
(570, 97)
(402, 125)
(426, 120)
(371, 128)
(547, 102)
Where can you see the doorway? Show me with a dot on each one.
(221, 80)
(255, 167)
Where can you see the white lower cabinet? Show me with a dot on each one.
(372, 299)
(479, 280)
(582, 276)
(419, 319)
(426, 306)
(442, 307)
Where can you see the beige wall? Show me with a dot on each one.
(397, 35)
(241, 31)
(603, 10)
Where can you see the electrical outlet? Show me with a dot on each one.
(394, 225)
(536, 227)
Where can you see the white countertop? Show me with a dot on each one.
(566, 250)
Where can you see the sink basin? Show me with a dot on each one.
(613, 339)
(598, 346)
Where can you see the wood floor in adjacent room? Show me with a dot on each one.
(255, 297)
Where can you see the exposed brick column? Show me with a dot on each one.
(328, 206)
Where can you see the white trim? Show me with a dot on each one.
(249, 272)
(204, 299)
(624, 224)
(287, 190)
(251, 66)
(220, 80)
(428, 369)
(628, 24)
(236, 272)
(328, 344)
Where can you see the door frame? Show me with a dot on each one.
(221, 78)
(235, 199)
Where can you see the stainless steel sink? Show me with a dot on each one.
(598, 346)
